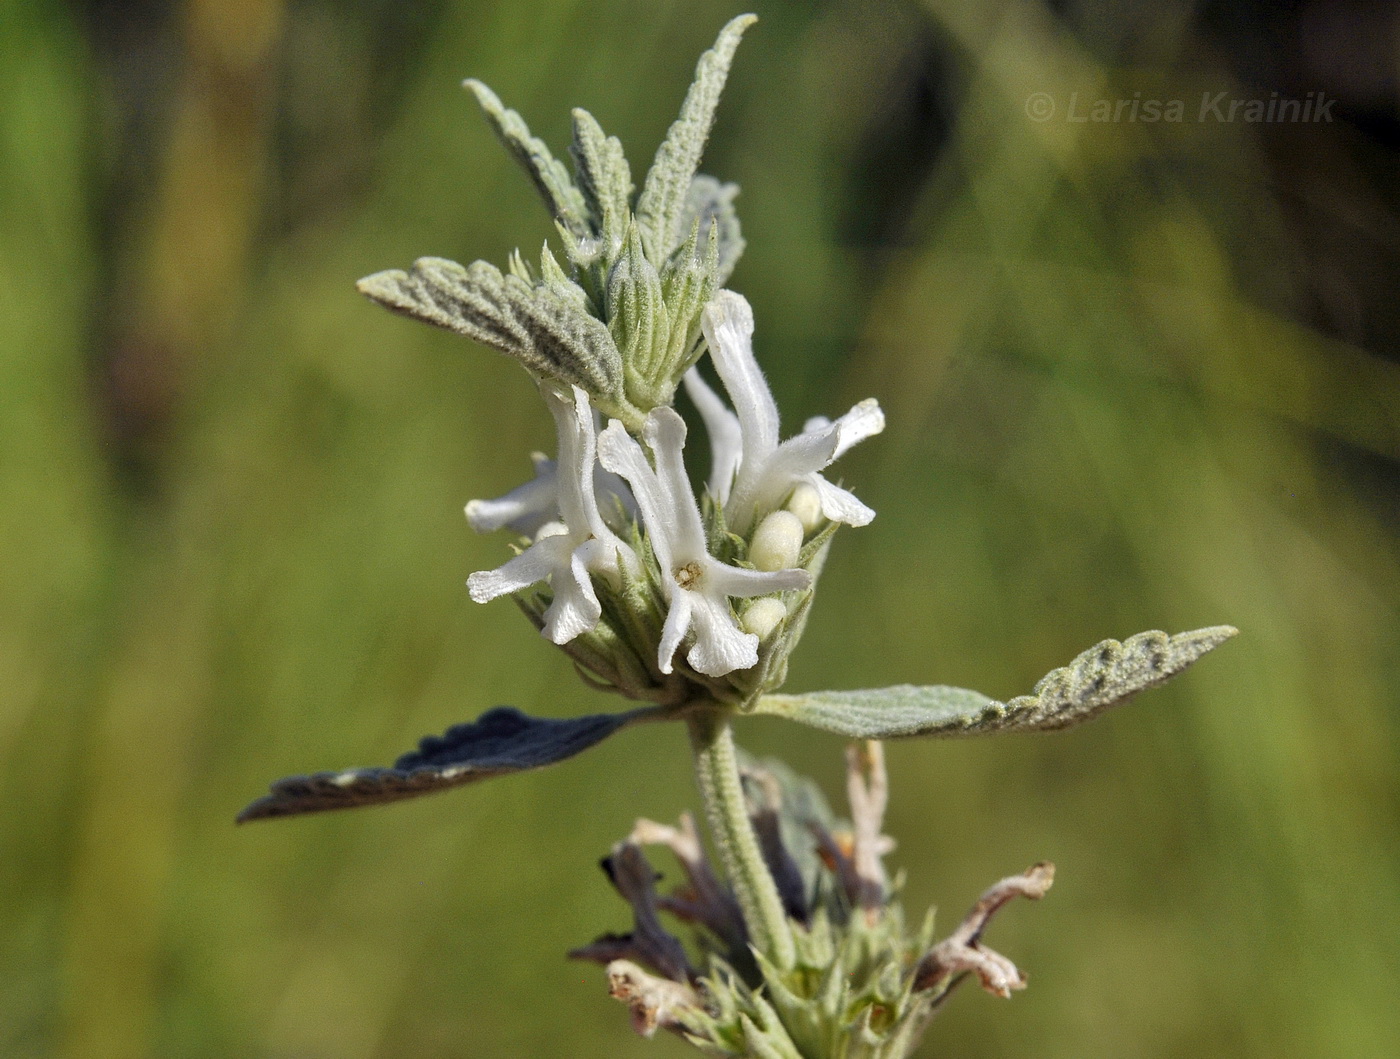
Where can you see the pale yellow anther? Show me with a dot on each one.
(806, 504)
(777, 542)
(689, 575)
(763, 616)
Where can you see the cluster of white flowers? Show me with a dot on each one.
(772, 495)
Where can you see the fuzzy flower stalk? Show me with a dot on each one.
(688, 599)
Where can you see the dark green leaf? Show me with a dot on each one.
(499, 742)
(1102, 677)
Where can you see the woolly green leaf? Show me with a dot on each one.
(545, 327)
(499, 742)
(605, 180)
(667, 185)
(1102, 677)
(549, 175)
(711, 203)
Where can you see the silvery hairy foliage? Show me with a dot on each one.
(689, 601)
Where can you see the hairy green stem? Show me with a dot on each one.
(717, 770)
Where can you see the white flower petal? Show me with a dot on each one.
(720, 646)
(728, 325)
(569, 548)
(603, 557)
(575, 470)
(664, 433)
(768, 472)
(863, 421)
(673, 631)
(765, 484)
(524, 509)
(551, 529)
(841, 505)
(575, 608)
(802, 454)
(619, 452)
(736, 581)
(530, 567)
(726, 435)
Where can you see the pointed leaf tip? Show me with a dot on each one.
(549, 176)
(1106, 675)
(605, 180)
(501, 741)
(667, 185)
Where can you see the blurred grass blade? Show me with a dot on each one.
(1104, 676)
(501, 741)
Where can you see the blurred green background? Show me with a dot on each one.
(1137, 376)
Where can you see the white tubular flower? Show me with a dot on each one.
(529, 506)
(769, 471)
(577, 545)
(696, 585)
(726, 435)
(525, 508)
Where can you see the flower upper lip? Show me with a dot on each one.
(758, 473)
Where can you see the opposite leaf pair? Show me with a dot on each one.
(504, 740)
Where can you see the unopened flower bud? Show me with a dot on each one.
(777, 542)
(806, 504)
(763, 616)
